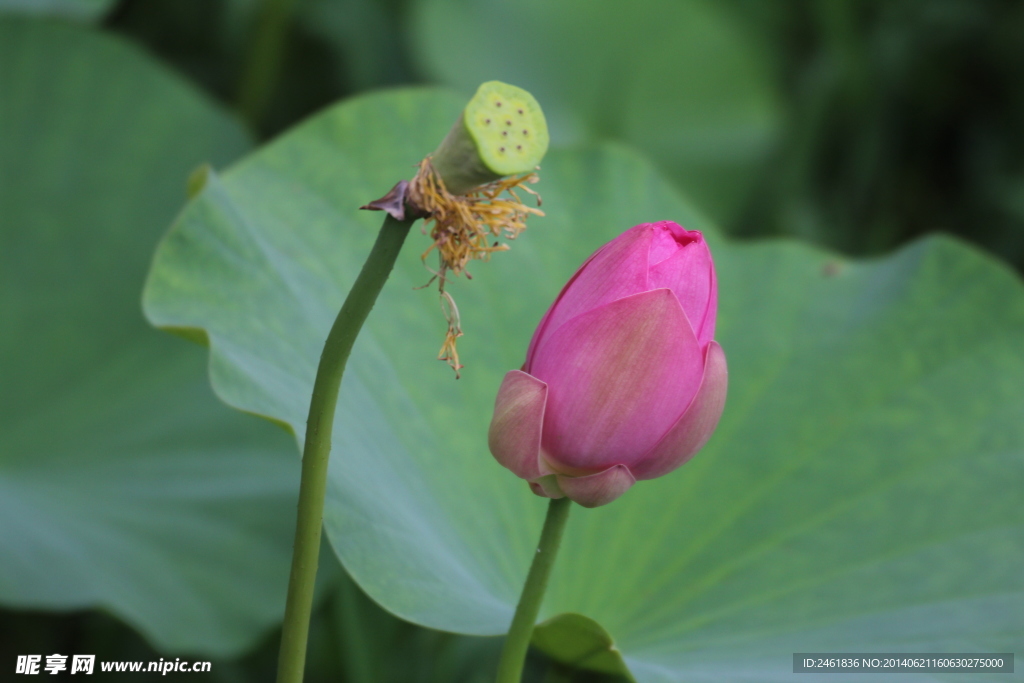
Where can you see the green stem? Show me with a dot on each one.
(264, 55)
(517, 642)
(317, 448)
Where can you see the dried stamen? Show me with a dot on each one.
(461, 227)
(448, 350)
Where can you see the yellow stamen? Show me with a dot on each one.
(463, 226)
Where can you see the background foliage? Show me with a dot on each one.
(852, 125)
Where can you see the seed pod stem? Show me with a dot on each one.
(317, 445)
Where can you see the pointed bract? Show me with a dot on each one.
(547, 487)
(515, 432)
(598, 489)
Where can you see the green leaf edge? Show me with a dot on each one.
(578, 640)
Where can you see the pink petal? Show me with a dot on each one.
(695, 426)
(690, 273)
(514, 436)
(616, 270)
(597, 489)
(668, 238)
(618, 378)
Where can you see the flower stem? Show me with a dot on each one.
(317, 447)
(517, 642)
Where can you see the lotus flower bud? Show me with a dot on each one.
(623, 379)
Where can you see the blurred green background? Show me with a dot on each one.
(855, 125)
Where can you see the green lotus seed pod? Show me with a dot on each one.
(508, 126)
(501, 132)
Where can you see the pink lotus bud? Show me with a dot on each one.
(623, 379)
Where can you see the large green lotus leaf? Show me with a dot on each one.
(862, 492)
(678, 78)
(124, 483)
(83, 10)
